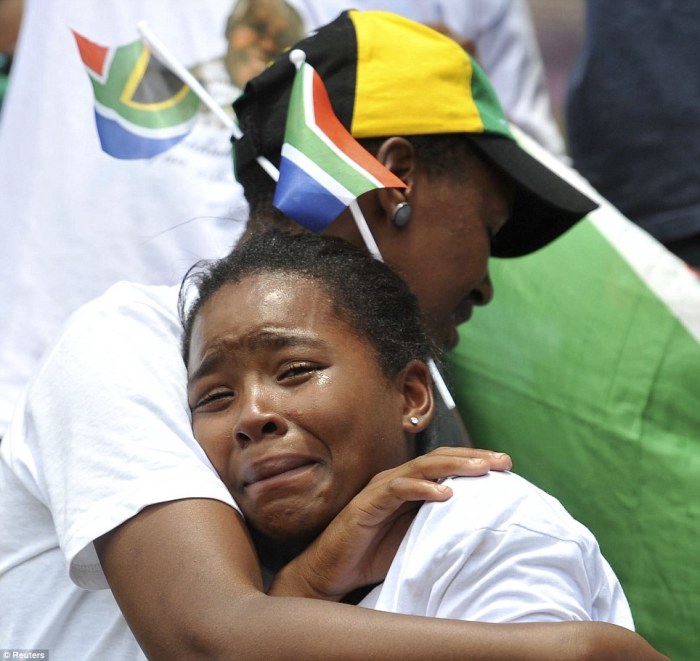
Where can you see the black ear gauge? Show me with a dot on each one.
(402, 214)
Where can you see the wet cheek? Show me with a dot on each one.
(215, 440)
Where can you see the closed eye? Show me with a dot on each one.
(298, 371)
(214, 401)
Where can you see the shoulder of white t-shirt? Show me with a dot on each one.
(501, 499)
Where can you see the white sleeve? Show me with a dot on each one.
(502, 551)
(106, 430)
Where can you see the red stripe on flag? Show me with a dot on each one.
(327, 122)
(93, 55)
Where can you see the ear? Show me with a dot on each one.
(416, 385)
(397, 155)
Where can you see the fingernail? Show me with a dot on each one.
(476, 461)
(441, 488)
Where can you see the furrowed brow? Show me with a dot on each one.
(261, 340)
(282, 340)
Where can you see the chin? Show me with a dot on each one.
(289, 529)
(447, 338)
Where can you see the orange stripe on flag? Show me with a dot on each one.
(93, 55)
(327, 121)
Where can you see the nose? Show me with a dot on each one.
(258, 419)
(482, 294)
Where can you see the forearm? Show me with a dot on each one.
(288, 628)
(360, 632)
(186, 578)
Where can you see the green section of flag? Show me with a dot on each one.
(157, 99)
(583, 375)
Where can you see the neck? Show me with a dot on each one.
(274, 555)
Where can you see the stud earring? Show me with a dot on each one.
(402, 214)
(413, 420)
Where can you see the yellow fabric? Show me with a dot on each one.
(385, 99)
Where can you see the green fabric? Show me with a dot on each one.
(486, 100)
(585, 377)
(4, 76)
(3, 87)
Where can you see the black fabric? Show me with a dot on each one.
(545, 205)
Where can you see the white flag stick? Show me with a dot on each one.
(365, 232)
(441, 385)
(163, 53)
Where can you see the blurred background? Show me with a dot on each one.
(560, 27)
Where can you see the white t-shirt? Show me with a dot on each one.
(500, 550)
(76, 220)
(83, 459)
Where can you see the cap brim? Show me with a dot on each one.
(545, 205)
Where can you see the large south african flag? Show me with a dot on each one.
(141, 108)
(323, 168)
(586, 369)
